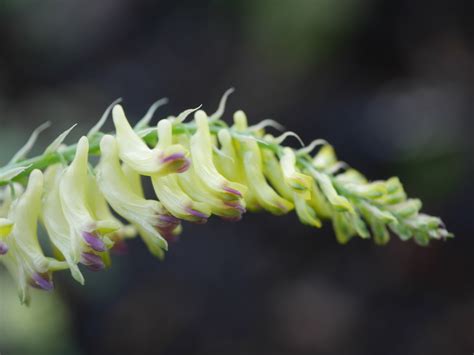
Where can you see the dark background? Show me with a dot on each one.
(388, 83)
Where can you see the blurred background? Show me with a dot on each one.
(388, 83)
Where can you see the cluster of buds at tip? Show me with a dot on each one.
(198, 169)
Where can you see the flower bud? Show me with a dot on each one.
(296, 180)
(319, 202)
(351, 176)
(325, 158)
(406, 209)
(340, 203)
(249, 153)
(342, 227)
(273, 172)
(395, 192)
(369, 191)
(229, 164)
(305, 212)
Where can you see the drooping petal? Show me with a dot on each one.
(56, 224)
(25, 259)
(177, 202)
(88, 232)
(148, 216)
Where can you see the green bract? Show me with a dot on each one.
(197, 169)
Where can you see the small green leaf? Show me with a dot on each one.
(143, 123)
(10, 174)
(21, 154)
(103, 119)
(53, 147)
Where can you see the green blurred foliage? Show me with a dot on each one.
(41, 328)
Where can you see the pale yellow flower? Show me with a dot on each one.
(25, 259)
(148, 216)
(88, 233)
(146, 161)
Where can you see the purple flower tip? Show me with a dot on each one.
(168, 219)
(3, 248)
(42, 282)
(92, 261)
(185, 163)
(173, 157)
(236, 205)
(120, 247)
(196, 213)
(232, 219)
(282, 207)
(232, 191)
(184, 167)
(170, 238)
(94, 241)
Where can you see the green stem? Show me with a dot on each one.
(67, 154)
(303, 161)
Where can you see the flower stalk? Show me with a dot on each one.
(198, 169)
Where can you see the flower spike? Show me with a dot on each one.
(197, 169)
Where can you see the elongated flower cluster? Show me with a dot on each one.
(197, 169)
